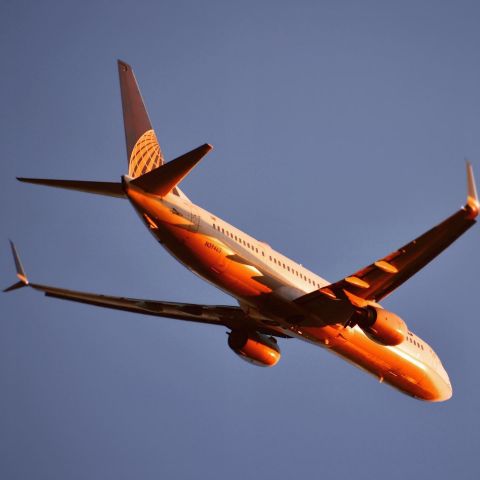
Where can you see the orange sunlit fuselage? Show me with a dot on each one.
(265, 283)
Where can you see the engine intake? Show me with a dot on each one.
(382, 326)
(255, 348)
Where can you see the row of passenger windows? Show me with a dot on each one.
(417, 344)
(237, 239)
(292, 270)
(272, 259)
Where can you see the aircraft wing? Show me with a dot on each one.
(382, 277)
(228, 316)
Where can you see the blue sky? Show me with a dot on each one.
(340, 131)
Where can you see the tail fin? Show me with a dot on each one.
(143, 150)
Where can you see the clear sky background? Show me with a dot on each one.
(340, 130)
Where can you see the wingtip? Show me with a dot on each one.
(473, 205)
(208, 147)
(34, 181)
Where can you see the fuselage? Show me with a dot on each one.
(266, 283)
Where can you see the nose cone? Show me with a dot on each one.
(445, 392)
(443, 387)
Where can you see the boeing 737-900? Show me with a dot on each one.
(277, 297)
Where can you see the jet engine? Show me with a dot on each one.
(381, 326)
(253, 347)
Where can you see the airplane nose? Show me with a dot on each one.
(444, 388)
(446, 393)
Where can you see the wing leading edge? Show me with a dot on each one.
(382, 277)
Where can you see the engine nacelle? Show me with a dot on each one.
(253, 347)
(382, 326)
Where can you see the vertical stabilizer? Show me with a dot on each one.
(143, 150)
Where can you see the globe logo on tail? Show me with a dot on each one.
(146, 155)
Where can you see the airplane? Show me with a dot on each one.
(277, 297)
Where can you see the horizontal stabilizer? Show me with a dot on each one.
(164, 178)
(110, 189)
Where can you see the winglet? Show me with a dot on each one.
(20, 271)
(473, 205)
